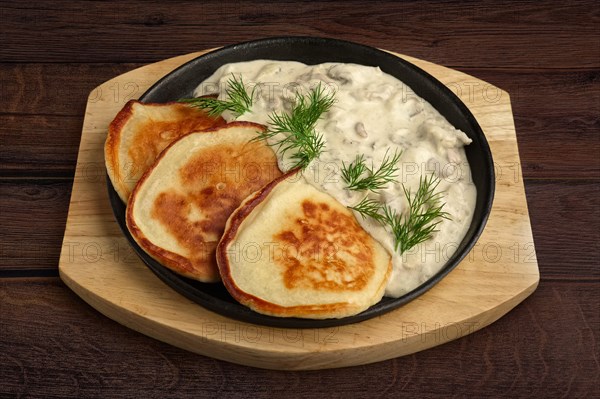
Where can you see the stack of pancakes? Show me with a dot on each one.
(210, 203)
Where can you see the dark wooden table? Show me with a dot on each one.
(547, 56)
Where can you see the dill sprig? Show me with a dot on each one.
(424, 215)
(354, 173)
(238, 102)
(298, 126)
(371, 208)
(419, 223)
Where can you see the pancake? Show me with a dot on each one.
(291, 250)
(140, 132)
(178, 210)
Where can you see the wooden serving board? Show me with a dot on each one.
(99, 265)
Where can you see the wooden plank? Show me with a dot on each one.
(556, 119)
(566, 222)
(56, 89)
(482, 34)
(32, 216)
(53, 344)
(566, 122)
(39, 145)
(568, 219)
(50, 88)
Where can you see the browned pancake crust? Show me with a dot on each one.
(297, 273)
(151, 138)
(170, 208)
(306, 245)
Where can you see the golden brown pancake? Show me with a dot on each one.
(178, 210)
(291, 250)
(140, 131)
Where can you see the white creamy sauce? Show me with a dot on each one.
(374, 113)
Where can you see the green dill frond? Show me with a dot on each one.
(354, 173)
(351, 173)
(416, 225)
(424, 215)
(298, 127)
(238, 102)
(371, 208)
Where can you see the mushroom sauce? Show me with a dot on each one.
(374, 114)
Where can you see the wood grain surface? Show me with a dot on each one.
(546, 55)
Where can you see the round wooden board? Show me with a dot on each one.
(99, 265)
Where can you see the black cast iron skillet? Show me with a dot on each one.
(310, 50)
